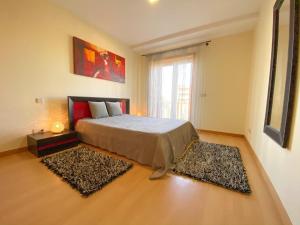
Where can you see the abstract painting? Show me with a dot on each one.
(91, 61)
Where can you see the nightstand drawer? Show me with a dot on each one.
(56, 138)
(56, 147)
(55, 144)
(48, 143)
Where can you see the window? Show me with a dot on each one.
(170, 88)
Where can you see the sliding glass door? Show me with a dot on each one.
(170, 88)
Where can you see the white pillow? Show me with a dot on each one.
(98, 109)
(114, 108)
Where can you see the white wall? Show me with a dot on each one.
(282, 165)
(36, 61)
(225, 67)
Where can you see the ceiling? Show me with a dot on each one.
(167, 24)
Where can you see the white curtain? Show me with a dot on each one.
(174, 86)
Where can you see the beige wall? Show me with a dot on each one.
(282, 165)
(224, 67)
(36, 61)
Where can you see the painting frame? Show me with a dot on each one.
(92, 61)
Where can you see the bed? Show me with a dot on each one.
(149, 141)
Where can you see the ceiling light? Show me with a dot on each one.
(152, 2)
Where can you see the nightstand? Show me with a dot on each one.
(42, 144)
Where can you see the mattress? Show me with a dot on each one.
(149, 141)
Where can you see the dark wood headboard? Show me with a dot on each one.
(78, 107)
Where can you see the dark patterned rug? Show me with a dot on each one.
(84, 169)
(214, 163)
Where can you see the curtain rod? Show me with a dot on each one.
(174, 49)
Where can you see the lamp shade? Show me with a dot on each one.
(57, 127)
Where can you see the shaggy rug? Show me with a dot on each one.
(214, 163)
(84, 169)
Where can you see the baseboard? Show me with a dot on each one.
(13, 151)
(220, 133)
(280, 208)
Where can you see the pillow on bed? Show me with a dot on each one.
(114, 108)
(98, 109)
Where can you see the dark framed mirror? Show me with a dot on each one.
(283, 70)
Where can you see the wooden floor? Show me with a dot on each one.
(31, 194)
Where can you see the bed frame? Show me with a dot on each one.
(78, 107)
